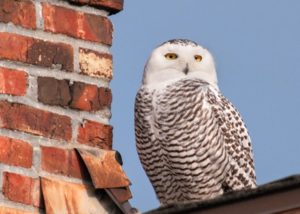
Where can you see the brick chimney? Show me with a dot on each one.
(55, 139)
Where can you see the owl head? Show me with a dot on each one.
(179, 59)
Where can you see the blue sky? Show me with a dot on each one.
(256, 46)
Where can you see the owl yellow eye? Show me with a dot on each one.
(198, 58)
(171, 56)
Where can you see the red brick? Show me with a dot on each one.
(49, 54)
(85, 97)
(113, 6)
(34, 51)
(76, 24)
(13, 82)
(14, 47)
(18, 12)
(22, 189)
(24, 118)
(63, 161)
(15, 152)
(79, 96)
(88, 97)
(95, 134)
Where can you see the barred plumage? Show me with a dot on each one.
(191, 141)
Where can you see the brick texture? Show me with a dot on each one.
(14, 47)
(63, 161)
(95, 64)
(79, 96)
(51, 55)
(15, 152)
(77, 24)
(53, 92)
(13, 82)
(54, 54)
(111, 5)
(95, 134)
(18, 12)
(90, 98)
(34, 51)
(34, 121)
(85, 97)
(22, 189)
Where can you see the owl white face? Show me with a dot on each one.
(179, 59)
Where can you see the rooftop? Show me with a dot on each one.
(276, 197)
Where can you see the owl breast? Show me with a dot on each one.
(179, 141)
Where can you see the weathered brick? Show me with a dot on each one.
(79, 96)
(15, 152)
(18, 12)
(113, 6)
(76, 24)
(53, 92)
(85, 97)
(49, 54)
(63, 161)
(95, 64)
(65, 197)
(22, 189)
(95, 134)
(34, 51)
(24, 118)
(104, 169)
(13, 82)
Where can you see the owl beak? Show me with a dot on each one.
(186, 69)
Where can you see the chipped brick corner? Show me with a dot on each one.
(55, 100)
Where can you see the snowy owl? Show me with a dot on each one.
(192, 142)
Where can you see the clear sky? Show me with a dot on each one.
(256, 46)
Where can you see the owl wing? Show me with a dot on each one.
(237, 142)
(148, 146)
(146, 143)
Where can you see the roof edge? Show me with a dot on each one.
(279, 189)
(112, 6)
